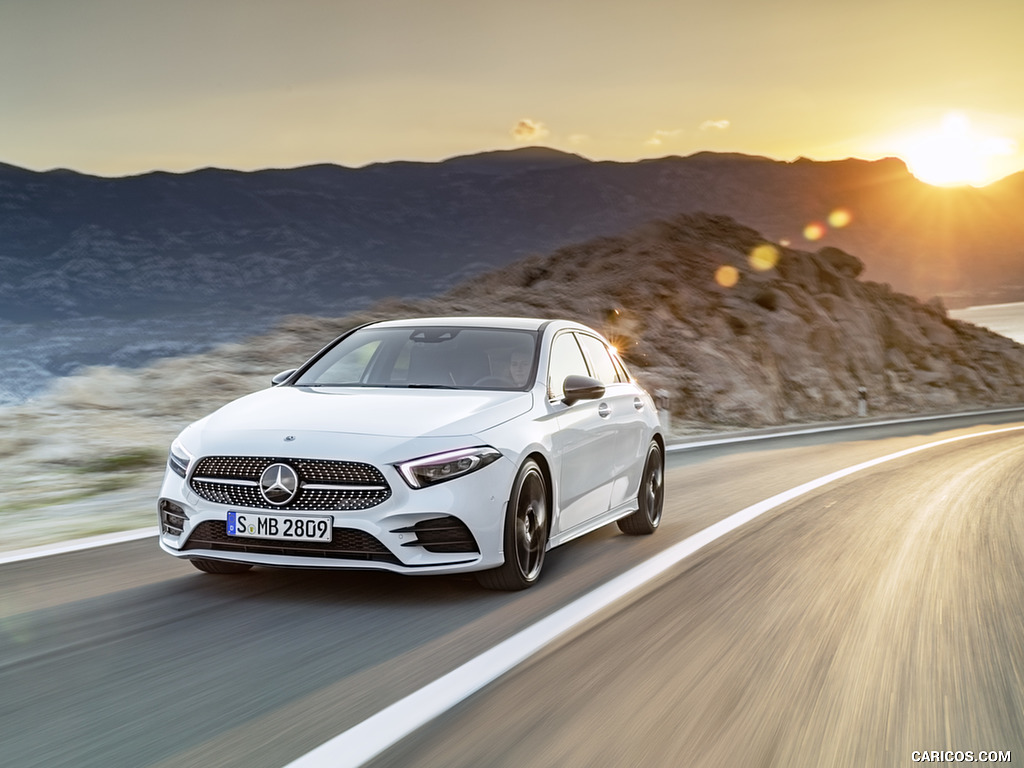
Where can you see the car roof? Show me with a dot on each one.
(515, 323)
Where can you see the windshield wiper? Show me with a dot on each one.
(430, 386)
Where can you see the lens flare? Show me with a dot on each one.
(814, 231)
(764, 257)
(727, 276)
(956, 154)
(619, 344)
(840, 218)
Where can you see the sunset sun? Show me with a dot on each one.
(955, 154)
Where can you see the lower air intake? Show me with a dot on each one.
(441, 534)
(347, 544)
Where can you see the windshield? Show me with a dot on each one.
(435, 357)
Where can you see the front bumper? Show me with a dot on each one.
(452, 527)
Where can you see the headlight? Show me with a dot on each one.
(179, 458)
(430, 470)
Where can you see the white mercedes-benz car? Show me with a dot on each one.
(422, 446)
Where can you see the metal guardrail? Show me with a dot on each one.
(725, 438)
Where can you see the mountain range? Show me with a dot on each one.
(329, 239)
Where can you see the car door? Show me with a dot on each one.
(622, 410)
(583, 442)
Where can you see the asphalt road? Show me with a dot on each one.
(879, 615)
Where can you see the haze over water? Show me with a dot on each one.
(1004, 319)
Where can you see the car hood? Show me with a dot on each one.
(397, 413)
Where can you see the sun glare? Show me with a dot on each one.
(956, 154)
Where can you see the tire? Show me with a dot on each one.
(219, 566)
(527, 521)
(650, 498)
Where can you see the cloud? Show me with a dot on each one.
(715, 125)
(529, 130)
(660, 136)
(579, 138)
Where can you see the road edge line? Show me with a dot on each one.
(76, 545)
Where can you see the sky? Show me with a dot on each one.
(121, 87)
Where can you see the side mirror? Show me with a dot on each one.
(282, 377)
(578, 387)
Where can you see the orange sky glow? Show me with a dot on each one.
(118, 87)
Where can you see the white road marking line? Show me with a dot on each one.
(374, 735)
(76, 545)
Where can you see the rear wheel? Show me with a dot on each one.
(219, 566)
(651, 497)
(527, 520)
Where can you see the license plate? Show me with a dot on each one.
(251, 525)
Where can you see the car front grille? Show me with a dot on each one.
(324, 485)
(346, 544)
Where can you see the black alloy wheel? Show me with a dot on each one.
(527, 521)
(650, 498)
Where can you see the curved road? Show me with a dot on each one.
(877, 616)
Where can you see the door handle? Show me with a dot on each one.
(638, 403)
(603, 410)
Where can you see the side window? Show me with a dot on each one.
(604, 368)
(350, 368)
(400, 370)
(566, 359)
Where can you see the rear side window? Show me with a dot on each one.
(620, 367)
(566, 359)
(600, 359)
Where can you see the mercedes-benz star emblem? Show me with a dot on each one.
(279, 484)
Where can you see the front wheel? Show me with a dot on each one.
(527, 520)
(651, 497)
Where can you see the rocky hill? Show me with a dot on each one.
(318, 239)
(744, 332)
